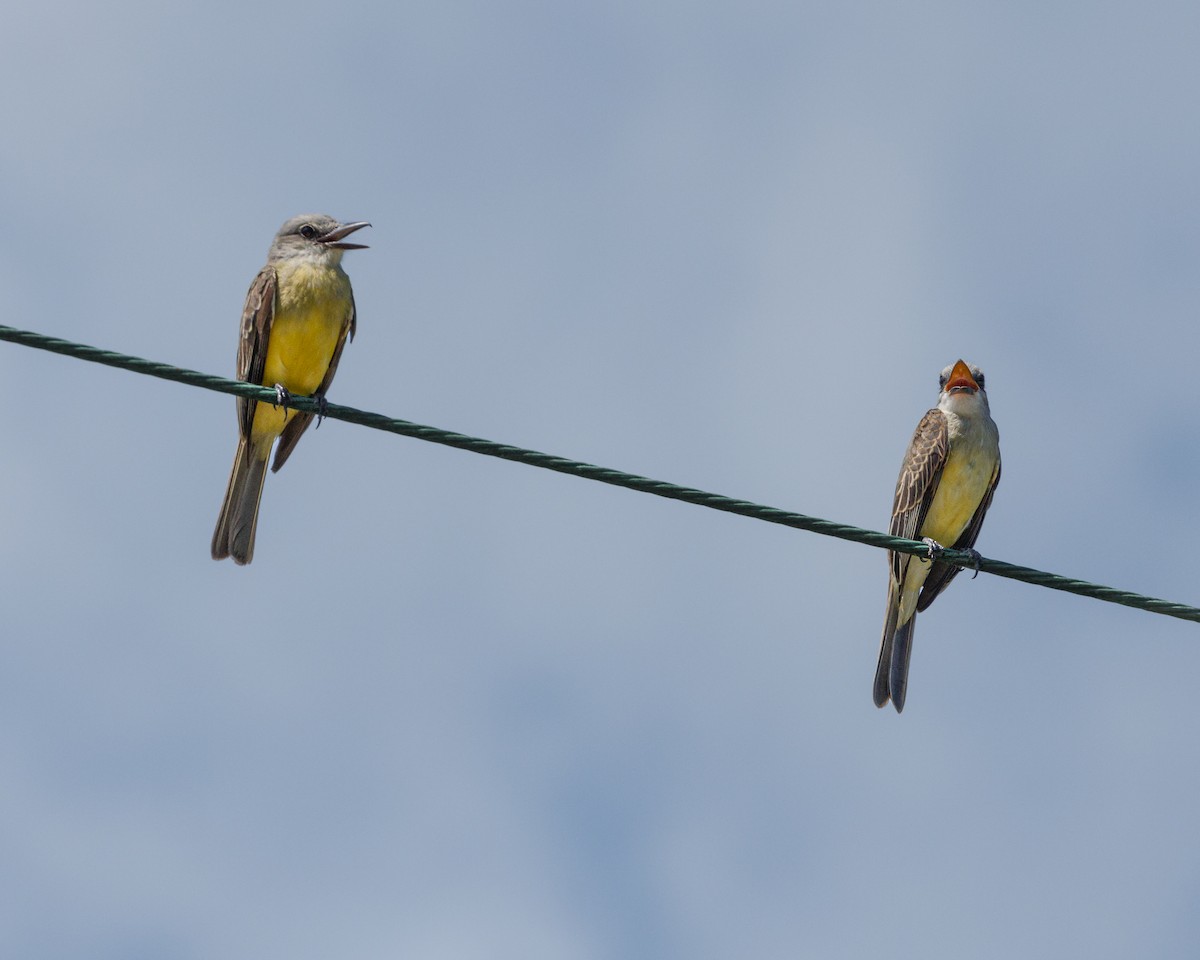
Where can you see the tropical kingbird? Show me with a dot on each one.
(946, 484)
(298, 316)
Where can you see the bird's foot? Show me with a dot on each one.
(282, 397)
(322, 406)
(976, 559)
(933, 547)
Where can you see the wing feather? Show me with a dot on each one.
(918, 481)
(257, 316)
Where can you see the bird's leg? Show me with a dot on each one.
(282, 397)
(322, 406)
(933, 547)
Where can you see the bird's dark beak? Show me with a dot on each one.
(961, 379)
(332, 238)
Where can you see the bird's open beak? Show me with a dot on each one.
(961, 379)
(332, 238)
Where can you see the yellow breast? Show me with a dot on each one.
(312, 307)
(965, 479)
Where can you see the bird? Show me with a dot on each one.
(946, 483)
(299, 313)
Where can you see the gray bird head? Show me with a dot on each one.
(314, 235)
(962, 388)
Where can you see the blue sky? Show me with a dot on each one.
(462, 708)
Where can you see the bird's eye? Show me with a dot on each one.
(308, 232)
(942, 381)
(979, 379)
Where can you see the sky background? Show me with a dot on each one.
(462, 708)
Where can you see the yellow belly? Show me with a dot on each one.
(962, 488)
(964, 483)
(311, 311)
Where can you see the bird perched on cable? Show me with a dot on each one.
(945, 488)
(298, 316)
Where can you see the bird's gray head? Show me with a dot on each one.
(962, 387)
(314, 235)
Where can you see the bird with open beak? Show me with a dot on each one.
(945, 488)
(299, 313)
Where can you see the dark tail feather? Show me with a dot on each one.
(882, 692)
(234, 536)
(901, 655)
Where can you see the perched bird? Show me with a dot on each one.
(946, 484)
(298, 316)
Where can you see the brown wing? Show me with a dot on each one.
(918, 482)
(299, 423)
(942, 573)
(257, 315)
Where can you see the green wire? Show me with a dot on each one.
(589, 471)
